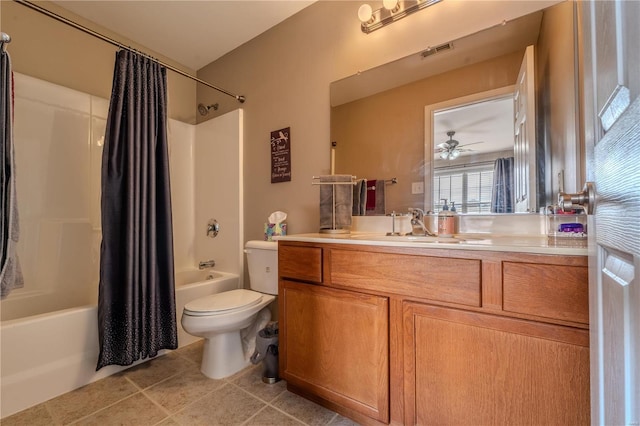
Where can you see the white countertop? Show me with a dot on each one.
(487, 242)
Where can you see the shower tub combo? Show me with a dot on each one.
(46, 355)
(49, 333)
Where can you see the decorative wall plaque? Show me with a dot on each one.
(281, 155)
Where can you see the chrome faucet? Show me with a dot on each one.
(417, 223)
(207, 264)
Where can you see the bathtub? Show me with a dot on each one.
(46, 355)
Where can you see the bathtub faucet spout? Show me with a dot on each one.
(207, 264)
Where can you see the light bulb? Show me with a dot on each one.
(389, 4)
(365, 13)
(455, 154)
(444, 155)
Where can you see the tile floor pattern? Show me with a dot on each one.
(170, 390)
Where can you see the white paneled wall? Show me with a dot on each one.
(182, 170)
(59, 135)
(219, 189)
(52, 126)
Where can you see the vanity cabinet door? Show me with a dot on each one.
(473, 368)
(335, 345)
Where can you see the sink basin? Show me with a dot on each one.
(408, 238)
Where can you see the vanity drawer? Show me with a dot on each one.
(436, 278)
(300, 263)
(550, 291)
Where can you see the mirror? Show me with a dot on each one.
(387, 123)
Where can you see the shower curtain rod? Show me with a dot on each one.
(4, 39)
(96, 34)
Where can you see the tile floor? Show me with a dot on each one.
(170, 390)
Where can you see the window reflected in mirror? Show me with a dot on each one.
(469, 137)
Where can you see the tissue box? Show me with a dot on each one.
(272, 229)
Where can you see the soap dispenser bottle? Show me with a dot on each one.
(446, 221)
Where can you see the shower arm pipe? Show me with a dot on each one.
(239, 98)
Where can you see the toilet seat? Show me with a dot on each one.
(222, 303)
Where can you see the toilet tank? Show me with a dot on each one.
(262, 261)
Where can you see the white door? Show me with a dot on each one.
(524, 151)
(612, 135)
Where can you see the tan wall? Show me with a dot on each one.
(285, 74)
(382, 136)
(44, 48)
(557, 101)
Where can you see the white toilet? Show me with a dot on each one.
(220, 317)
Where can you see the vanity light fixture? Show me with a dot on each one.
(391, 11)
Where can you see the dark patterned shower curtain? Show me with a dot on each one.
(136, 306)
(10, 272)
(502, 194)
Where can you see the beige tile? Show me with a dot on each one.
(158, 369)
(233, 377)
(182, 389)
(269, 416)
(228, 405)
(175, 383)
(192, 352)
(90, 398)
(34, 416)
(168, 422)
(307, 411)
(136, 410)
(339, 420)
(251, 381)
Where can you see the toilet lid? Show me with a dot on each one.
(223, 302)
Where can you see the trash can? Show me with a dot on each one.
(267, 352)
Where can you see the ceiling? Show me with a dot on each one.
(481, 127)
(192, 33)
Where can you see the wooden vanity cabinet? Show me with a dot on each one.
(433, 336)
(469, 368)
(336, 346)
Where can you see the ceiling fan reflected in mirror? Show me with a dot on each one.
(451, 149)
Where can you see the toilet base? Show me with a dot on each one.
(223, 355)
